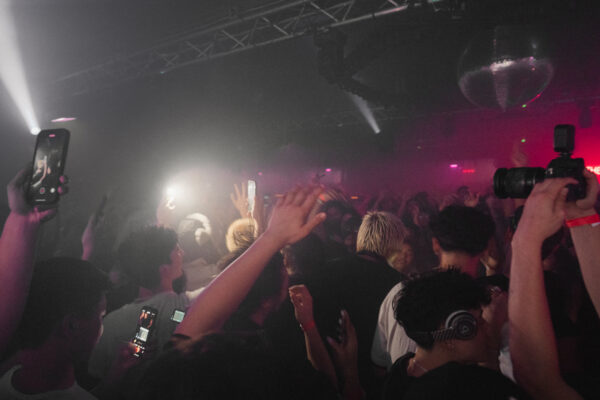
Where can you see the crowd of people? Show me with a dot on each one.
(404, 297)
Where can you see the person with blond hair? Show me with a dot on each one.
(358, 284)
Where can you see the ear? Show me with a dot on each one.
(435, 244)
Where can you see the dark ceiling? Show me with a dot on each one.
(244, 108)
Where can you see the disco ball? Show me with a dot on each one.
(504, 67)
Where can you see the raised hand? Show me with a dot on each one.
(303, 304)
(544, 210)
(345, 354)
(88, 239)
(240, 199)
(17, 197)
(288, 222)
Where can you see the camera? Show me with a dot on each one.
(517, 183)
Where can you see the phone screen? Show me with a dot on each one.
(177, 316)
(144, 329)
(48, 165)
(251, 196)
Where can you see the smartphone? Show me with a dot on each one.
(48, 166)
(251, 196)
(145, 327)
(177, 315)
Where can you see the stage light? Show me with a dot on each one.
(12, 72)
(260, 174)
(64, 119)
(594, 168)
(453, 165)
(468, 171)
(523, 140)
(328, 170)
(366, 112)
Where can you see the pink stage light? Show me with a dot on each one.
(453, 165)
(260, 174)
(328, 170)
(64, 119)
(594, 168)
(468, 171)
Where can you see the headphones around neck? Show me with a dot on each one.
(460, 325)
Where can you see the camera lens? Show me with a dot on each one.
(516, 183)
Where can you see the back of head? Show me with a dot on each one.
(144, 251)
(305, 256)
(240, 234)
(59, 287)
(426, 301)
(230, 366)
(380, 232)
(462, 229)
(195, 238)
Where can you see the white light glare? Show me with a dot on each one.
(364, 109)
(11, 68)
(35, 130)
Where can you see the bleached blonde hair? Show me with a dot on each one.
(380, 232)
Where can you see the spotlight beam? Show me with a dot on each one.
(12, 72)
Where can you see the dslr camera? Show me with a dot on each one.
(517, 183)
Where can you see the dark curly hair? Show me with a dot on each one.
(427, 300)
(461, 228)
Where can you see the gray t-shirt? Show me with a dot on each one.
(120, 326)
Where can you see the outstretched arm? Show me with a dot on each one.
(17, 247)
(586, 238)
(532, 342)
(224, 294)
(315, 348)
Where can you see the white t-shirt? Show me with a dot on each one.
(120, 326)
(8, 392)
(390, 341)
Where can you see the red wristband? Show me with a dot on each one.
(593, 220)
(308, 326)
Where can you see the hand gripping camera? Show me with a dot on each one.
(517, 183)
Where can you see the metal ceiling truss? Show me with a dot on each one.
(276, 22)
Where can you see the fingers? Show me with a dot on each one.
(20, 178)
(290, 196)
(312, 224)
(561, 200)
(337, 348)
(311, 198)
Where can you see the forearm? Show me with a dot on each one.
(17, 245)
(586, 239)
(317, 354)
(223, 295)
(532, 341)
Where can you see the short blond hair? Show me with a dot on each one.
(241, 233)
(380, 232)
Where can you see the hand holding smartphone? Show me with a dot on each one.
(48, 166)
(145, 328)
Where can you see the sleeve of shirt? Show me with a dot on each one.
(380, 354)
